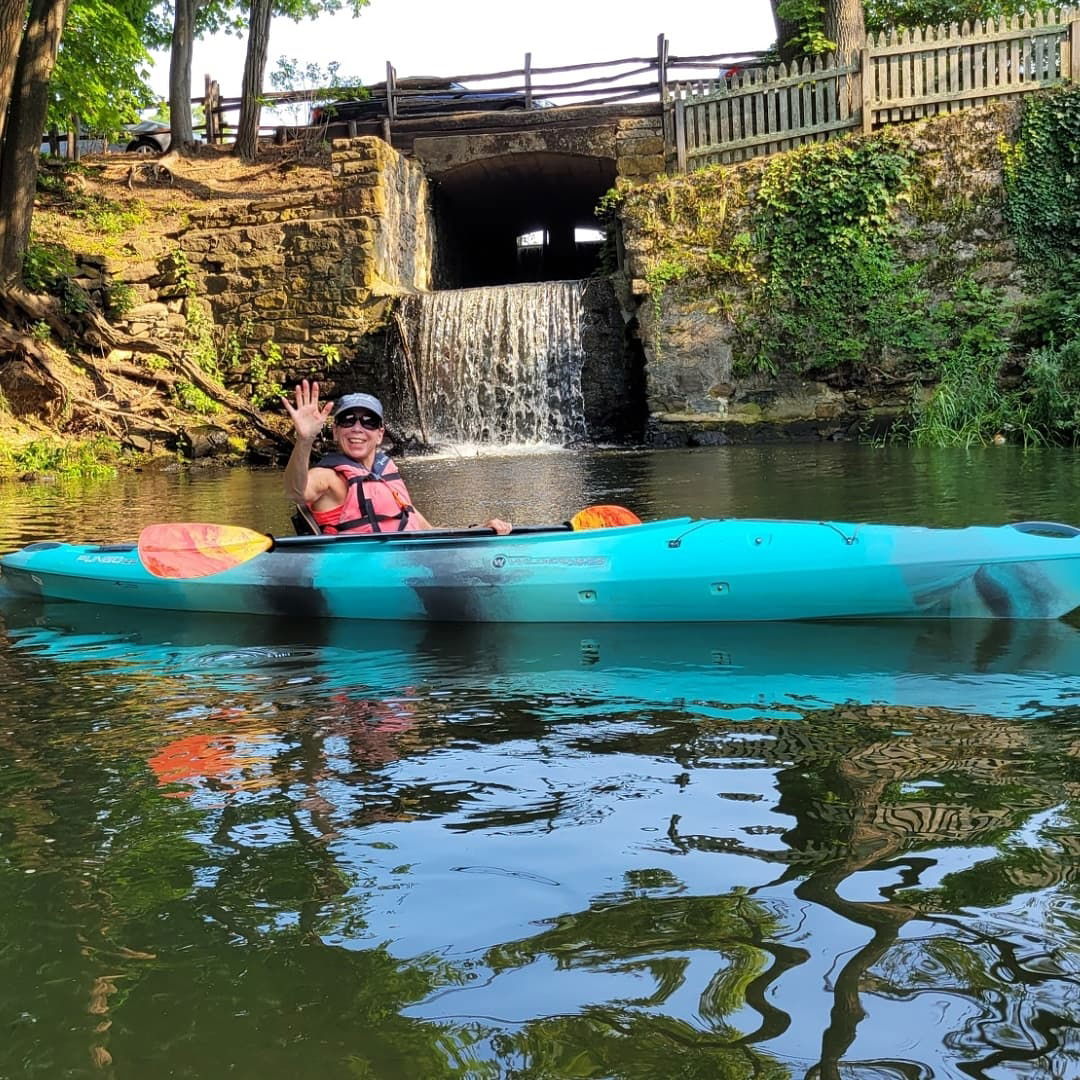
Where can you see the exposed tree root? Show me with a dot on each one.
(39, 386)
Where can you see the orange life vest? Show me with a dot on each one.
(375, 501)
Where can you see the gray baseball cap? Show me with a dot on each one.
(358, 401)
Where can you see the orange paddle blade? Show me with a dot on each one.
(603, 517)
(186, 549)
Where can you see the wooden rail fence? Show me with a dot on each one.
(634, 79)
(896, 76)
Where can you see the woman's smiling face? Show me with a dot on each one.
(355, 436)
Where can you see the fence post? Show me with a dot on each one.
(865, 97)
(1074, 49)
(661, 67)
(680, 132)
(208, 108)
(391, 104)
(528, 80)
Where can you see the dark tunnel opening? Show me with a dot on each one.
(520, 217)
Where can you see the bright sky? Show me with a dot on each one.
(458, 37)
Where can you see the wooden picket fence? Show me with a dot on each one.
(898, 76)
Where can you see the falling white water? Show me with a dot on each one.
(500, 365)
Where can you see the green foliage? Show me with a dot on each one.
(808, 17)
(1052, 404)
(969, 404)
(1042, 183)
(101, 70)
(881, 14)
(265, 388)
(178, 266)
(1042, 180)
(199, 345)
(41, 332)
(97, 456)
(109, 217)
(319, 83)
(331, 356)
(233, 340)
(834, 290)
(44, 265)
(193, 399)
(119, 298)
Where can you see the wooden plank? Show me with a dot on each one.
(680, 133)
(806, 101)
(391, 91)
(918, 81)
(954, 32)
(867, 77)
(783, 121)
(760, 127)
(978, 97)
(693, 140)
(895, 86)
(954, 76)
(723, 120)
(661, 67)
(978, 66)
(795, 78)
(1073, 71)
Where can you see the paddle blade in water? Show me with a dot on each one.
(193, 550)
(603, 517)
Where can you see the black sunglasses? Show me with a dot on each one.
(365, 420)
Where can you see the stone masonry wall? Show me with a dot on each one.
(313, 269)
(639, 149)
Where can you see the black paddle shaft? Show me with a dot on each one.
(421, 534)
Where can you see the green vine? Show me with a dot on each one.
(1042, 185)
(1042, 181)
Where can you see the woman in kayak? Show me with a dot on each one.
(357, 489)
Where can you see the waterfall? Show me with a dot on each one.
(497, 365)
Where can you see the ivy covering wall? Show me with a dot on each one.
(944, 254)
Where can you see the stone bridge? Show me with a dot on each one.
(497, 176)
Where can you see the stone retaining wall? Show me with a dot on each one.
(693, 394)
(312, 270)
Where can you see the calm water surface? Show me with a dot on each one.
(251, 848)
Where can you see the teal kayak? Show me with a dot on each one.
(677, 570)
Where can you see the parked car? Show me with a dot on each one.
(439, 95)
(148, 137)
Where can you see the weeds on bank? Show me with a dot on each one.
(93, 457)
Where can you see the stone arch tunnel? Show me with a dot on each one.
(491, 188)
(484, 207)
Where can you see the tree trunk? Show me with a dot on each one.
(21, 151)
(844, 24)
(247, 132)
(12, 14)
(786, 32)
(183, 43)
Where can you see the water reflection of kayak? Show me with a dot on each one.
(992, 666)
(683, 569)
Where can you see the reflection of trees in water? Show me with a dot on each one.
(233, 899)
(223, 904)
(634, 932)
(872, 786)
(868, 788)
